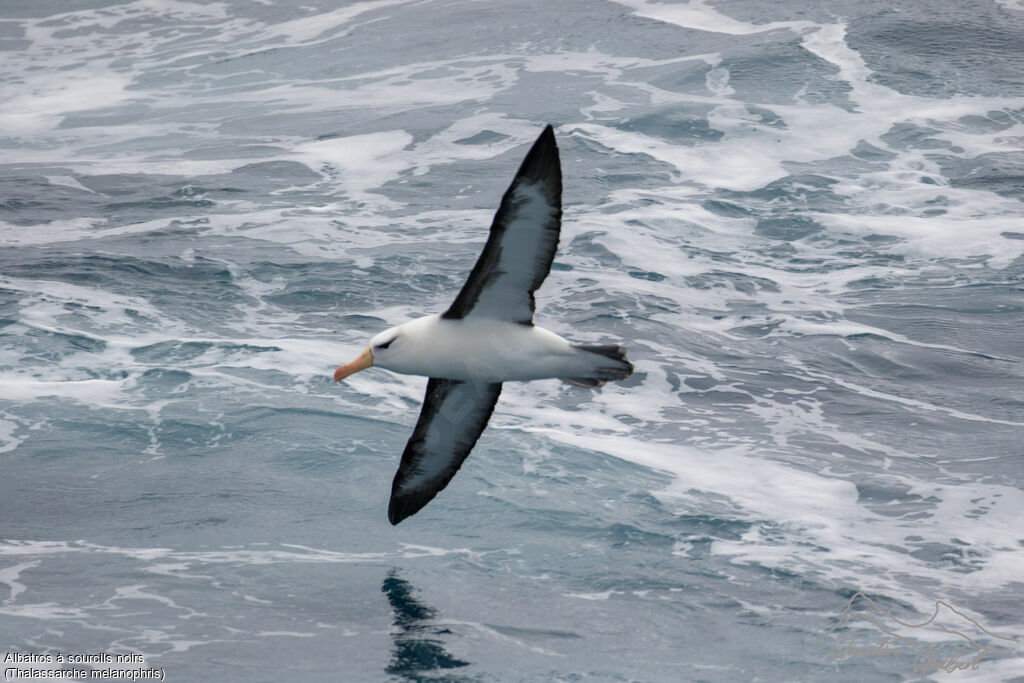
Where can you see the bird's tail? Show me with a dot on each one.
(609, 364)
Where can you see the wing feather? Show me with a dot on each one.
(454, 415)
(522, 242)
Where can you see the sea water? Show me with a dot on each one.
(805, 222)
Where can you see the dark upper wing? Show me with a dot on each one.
(453, 416)
(522, 243)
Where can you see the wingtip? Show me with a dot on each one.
(542, 163)
(402, 507)
(546, 137)
(394, 515)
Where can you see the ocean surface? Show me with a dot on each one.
(805, 220)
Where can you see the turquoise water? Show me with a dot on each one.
(805, 223)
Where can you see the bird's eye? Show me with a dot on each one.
(385, 344)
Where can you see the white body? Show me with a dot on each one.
(479, 350)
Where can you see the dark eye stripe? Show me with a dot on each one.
(385, 344)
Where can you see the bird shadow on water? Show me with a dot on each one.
(419, 653)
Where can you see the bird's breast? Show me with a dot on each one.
(482, 351)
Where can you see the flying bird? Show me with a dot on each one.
(486, 337)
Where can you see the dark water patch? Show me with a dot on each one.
(907, 135)
(686, 77)
(158, 204)
(868, 152)
(187, 437)
(674, 125)
(587, 245)
(873, 284)
(320, 300)
(171, 351)
(941, 51)
(818, 265)
(872, 356)
(883, 239)
(781, 71)
(638, 171)
(958, 556)
(266, 175)
(621, 180)
(266, 378)
(701, 383)
(30, 199)
(779, 251)
(994, 121)
(727, 209)
(782, 198)
(80, 308)
(161, 378)
(842, 166)
(53, 345)
(315, 460)
(364, 323)
(696, 524)
(646, 275)
(337, 288)
(766, 117)
(893, 500)
(512, 477)
(741, 282)
(200, 290)
(622, 536)
(482, 138)
(253, 415)
(247, 349)
(953, 323)
(140, 195)
(873, 257)
(15, 204)
(722, 398)
(999, 172)
(75, 431)
(756, 330)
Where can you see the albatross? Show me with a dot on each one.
(486, 337)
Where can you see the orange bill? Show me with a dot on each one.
(364, 361)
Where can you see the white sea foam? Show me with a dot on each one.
(752, 155)
(241, 555)
(9, 576)
(363, 162)
(41, 104)
(306, 29)
(696, 14)
(9, 439)
(441, 148)
(852, 543)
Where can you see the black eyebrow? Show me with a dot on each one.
(386, 344)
